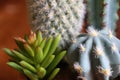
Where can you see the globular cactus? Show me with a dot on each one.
(36, 56)
(57, 16)
(98, 53)
(95, 55)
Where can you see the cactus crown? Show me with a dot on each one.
(36, 56)
(98, 52)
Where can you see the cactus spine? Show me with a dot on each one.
(36, 56)
(57, 16)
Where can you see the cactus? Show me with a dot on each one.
(95, 55)
(103, 13)
(57, 16)
(36, 56)
(98, 51)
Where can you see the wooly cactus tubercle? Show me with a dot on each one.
(57, 16)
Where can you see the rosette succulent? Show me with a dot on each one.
(36, 56)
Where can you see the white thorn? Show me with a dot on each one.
(106, 72)
(63, 30)
(110, 34)
(98, 51)
(114, 48)
(92, 32)
(74, 40)
(77, 67)
(82, 48)
(51, 15)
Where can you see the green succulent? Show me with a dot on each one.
(36, 57)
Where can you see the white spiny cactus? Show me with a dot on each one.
(58, 16)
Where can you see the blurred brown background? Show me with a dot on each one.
(13, 22)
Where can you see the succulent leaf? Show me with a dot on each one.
(29, 50)
(39, 56)
(28, 66)
(39, 37)
(42, 44)
(47, 61)
(54, 73)
(56, 61)
(21, 56)
(30, 75)
(15, 66)
(41, 72)
(9, 52)
(47, 46)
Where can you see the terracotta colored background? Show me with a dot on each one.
(13, 22)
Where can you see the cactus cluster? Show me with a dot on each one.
(94, 55)
(36, 56)
(99, 55)
(57, 16)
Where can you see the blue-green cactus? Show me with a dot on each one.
(94, 8)
(110, 13)
(103, 13)
(98, 51)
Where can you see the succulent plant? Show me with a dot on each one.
(57, 16)
(103, 13)
(95, 55)
(36, 56)
(98, 53)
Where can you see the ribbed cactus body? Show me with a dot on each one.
(57, 16)
(103, 13)
(111, 13)
(95, 8)
(98, 51)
